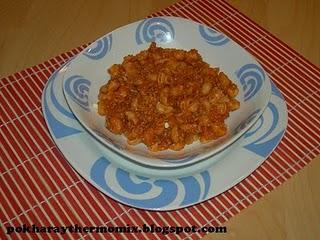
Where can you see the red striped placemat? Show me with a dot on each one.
(39, 187)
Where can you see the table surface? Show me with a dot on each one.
(33, 31)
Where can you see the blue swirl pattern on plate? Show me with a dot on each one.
(101, 48)
(212, 36)
(251, 77)
(55, 101)
(149, 193)
(77, 88)
(156, 29)
(270, 137)
(59, 128)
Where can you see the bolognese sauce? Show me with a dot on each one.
(166, 99)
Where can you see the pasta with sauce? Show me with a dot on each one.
(166, 99)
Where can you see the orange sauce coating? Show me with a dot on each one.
(166, 99)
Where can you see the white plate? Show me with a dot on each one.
(88, 72)
(171, 189)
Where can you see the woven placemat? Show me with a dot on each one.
(39, 187)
